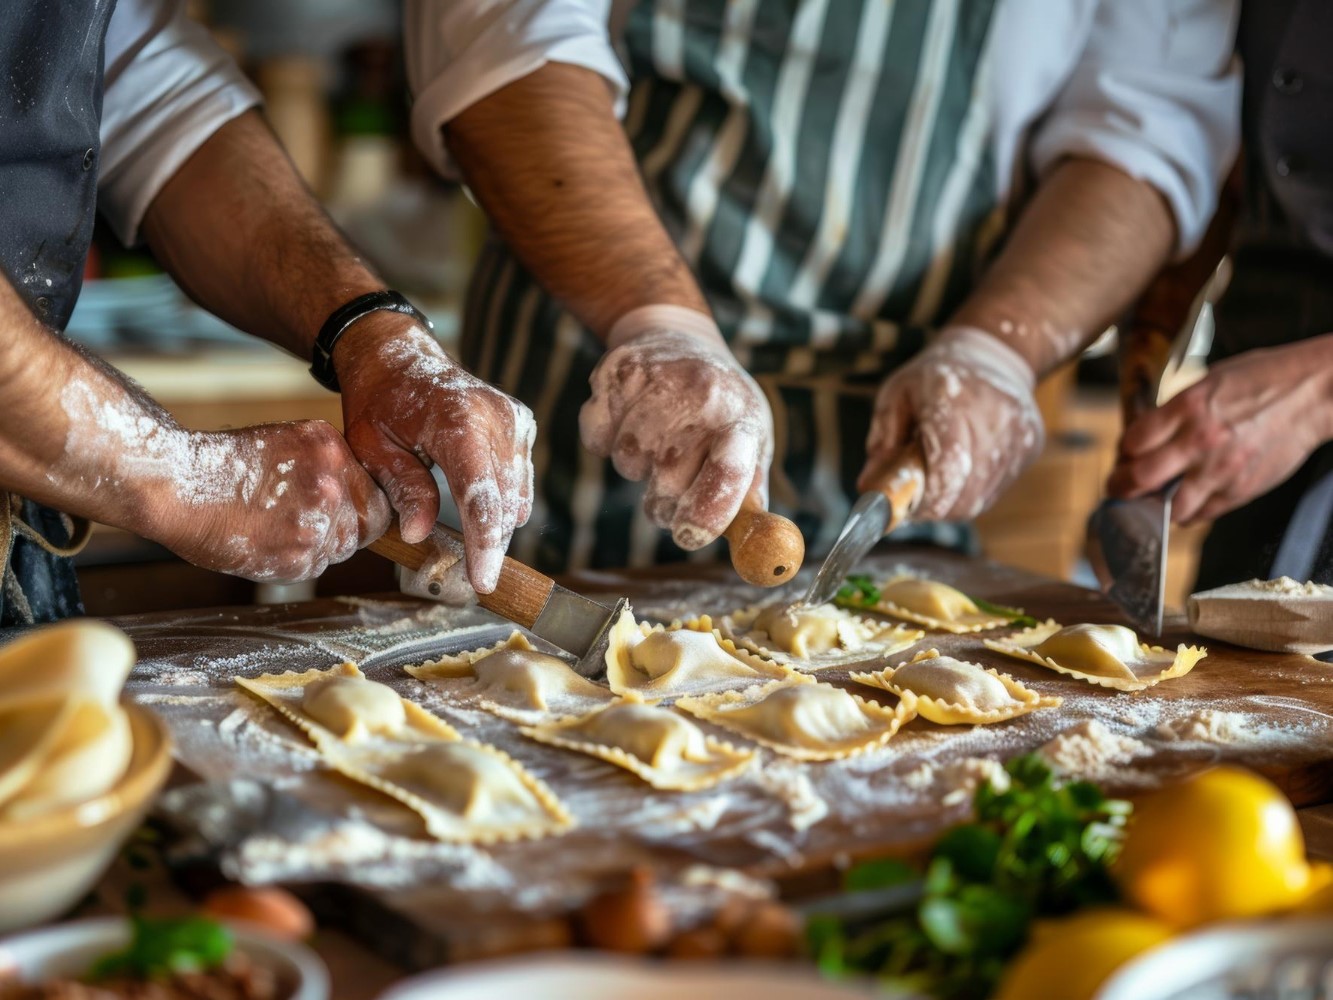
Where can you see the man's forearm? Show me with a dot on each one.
(242, 234)
(553, 169)
(74, 433)
(1086, 245)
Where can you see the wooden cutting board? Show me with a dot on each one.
(434, 921)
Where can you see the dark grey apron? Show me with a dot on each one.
(1282, 289)
(51, 56)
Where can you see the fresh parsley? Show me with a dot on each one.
(161, 947)
(1038, 848)
(1016, 616)
(857, 591)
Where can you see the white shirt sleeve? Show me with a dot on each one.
(460, 51)
(167, 88)
(1156, 92)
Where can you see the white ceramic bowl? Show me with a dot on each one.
(48, 864)
(69, 949)
(1246, 958)
(596, 976)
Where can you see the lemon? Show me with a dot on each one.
(1221, 845)
(1318, 896)
(1069, 959)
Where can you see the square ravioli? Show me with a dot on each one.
(810, 638)
(804, 719)
(1109, 656)
(660, 745)
(465, 792)
(516, 681)
(648, 662)
(930, 603)
(956, 692)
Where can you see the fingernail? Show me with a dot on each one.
(691, 536)
(487, 566)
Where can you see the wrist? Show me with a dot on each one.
(380, 337)
(993, 356)
(647, 321)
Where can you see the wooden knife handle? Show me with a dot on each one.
(766, 548)
(520, 595)
(901, 478)
(1144, 352)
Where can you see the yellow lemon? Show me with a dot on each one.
(1223, 844)
(1318, 896)
(1069, 959)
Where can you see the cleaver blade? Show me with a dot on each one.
(1127, 547)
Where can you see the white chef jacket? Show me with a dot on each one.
(167, 88)
(1149, 86)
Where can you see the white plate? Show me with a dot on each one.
(1250, 959)
(593, 976)
(69, 949)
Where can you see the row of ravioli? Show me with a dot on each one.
(753, 674)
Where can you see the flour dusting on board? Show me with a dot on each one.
(776, 817)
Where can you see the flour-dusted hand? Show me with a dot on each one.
(408, 405)
(268, 502)
(1243, 429)
(968, 399)
(670, 404)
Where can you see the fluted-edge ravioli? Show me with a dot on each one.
(514, 680)
(957, 692)
(935, 605)
(649, 662)
(466, 792)
(658, 744)
(1109, 656)
(804, 720)
(810, 639)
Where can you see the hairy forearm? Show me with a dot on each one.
(240, 232)
(553, 169)
(1089, 241)
(74, 433)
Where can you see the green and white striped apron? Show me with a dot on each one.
(825, 167)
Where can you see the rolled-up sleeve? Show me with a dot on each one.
(168, 88)
(1156, 92)
(460, 51)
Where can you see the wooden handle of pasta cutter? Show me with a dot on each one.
(520, 595)
(901, 478)
(766, 548)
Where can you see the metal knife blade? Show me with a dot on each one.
(1127, 549)
(579, 625)
(898, 483)
(865, 526)
(574, 623)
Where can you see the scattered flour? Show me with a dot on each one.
(791, 785)
(1089, 750)
(1286, 585)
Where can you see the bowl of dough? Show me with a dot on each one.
(79, 767)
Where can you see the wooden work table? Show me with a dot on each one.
(1282, 686)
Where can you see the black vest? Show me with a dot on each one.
(51, 55)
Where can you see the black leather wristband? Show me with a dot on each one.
(341, 320)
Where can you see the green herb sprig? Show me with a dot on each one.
(162, 947)
(1038, 848)
(857, 591)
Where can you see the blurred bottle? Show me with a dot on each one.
(294, 88)
(368, 125)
